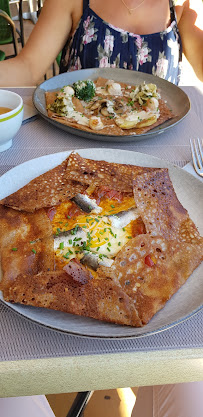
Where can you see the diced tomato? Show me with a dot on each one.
(73, 211)
(148, 261)
(51, 213)
(101, 192)
(115, 195)
(138, 227)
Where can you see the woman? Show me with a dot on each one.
(144, 35)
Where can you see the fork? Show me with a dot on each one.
(197, 155)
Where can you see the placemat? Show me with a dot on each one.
(22, 339)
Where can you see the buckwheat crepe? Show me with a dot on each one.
(121, 104)
(104, 240)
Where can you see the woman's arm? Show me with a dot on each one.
(191, 30)
(45, 42)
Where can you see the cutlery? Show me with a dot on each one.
(197, 155)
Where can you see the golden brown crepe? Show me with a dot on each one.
(89, 172)
(101, 299)
(110, 127)
(155, 253)
(47, 190)
(152, 267)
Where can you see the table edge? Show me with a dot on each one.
(98, 372)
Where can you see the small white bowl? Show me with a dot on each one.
(11, 121)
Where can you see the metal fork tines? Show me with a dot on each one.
(197, 155)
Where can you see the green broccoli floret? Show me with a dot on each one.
(84, 90)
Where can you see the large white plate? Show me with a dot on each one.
(185, 303)
(177, 99)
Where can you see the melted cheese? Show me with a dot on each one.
(97, 235)
(71, 112)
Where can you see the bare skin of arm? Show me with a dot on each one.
(45, 42)
(59, 18)
(191, 31)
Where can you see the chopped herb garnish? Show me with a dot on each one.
(14, 249)
(70, 241)
(129, 237)
(112, 206)
(98, 248)
(66, 255)
(34, 251)
(119, 243)
(109, 249)
(61, 246)
(74, 231)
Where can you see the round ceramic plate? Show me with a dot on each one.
(185, 303)
(177, 100)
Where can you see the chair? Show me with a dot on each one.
(19, 4)
(8, 31)
(79, 404)
(2, 55)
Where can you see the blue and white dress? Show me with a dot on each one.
(98, 44)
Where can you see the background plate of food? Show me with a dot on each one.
(185, 302)
(120, 105)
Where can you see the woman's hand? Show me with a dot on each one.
(190, 26)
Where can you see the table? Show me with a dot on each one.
(38, 360)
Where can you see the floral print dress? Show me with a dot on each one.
(98, 44)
